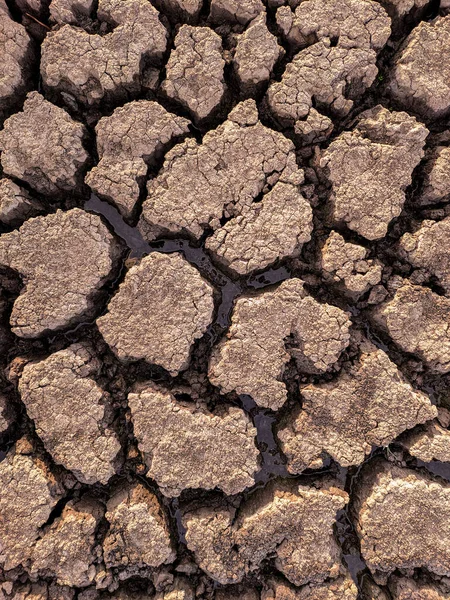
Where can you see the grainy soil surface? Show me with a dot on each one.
(224, 300)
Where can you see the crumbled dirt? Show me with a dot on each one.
(224, 300)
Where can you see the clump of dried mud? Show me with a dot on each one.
(224, 299)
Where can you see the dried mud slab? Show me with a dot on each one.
(342, 588)
(133, 137)
(419, 79)
(370, 168)
(16, 204)
(64, 260)
(235, 11)
(69, 410)
(43, 146)
(138, 535)
(294, 523)
(174, 301)
(29, 493)
(194, 71)
(66, 550)
(339, 62)
(436, 177)
(201, 183)
(347, 266)
(257, 51)
(428, 249)
(92, 67)
(369, 404)
(417, 321)
(408, 507)
(18, 56)
(266, 231)
(185, 447)
(430, 443)
(252, 358)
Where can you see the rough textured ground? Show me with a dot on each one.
(225, 300)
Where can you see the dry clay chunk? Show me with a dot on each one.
(16, 204)
(201, 183)
(370, 168)
(410, 508)
(29, 493)
(430, 443)
(314, 129)
(17, 52)
(257, 51)
(187, 448)
(127, 141)
(194, 72)
(332, 75)
(91, 67)
(402, 588)
(342, 588)
(252, 358)
(68, 409)
(436, 176)
(429, 249)
(351, 24)
(66, 550)
(370, 404)
(266, 231)
(43, 146)
(346, 265)
(419, 79)
(138, 535)
(235, 11)
(417, 320)
(294, 523)
(174, 302)
(64, 259)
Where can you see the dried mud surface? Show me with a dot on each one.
(224, 300)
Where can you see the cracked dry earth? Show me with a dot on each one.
(224, 300)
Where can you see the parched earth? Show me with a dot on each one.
(225, 300)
